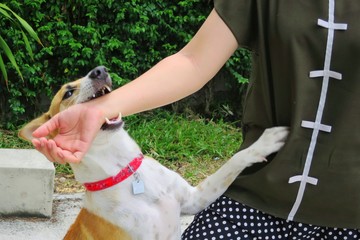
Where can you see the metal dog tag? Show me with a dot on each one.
(138, 186)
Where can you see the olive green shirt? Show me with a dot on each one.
(306, 75)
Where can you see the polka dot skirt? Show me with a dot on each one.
(228, 219)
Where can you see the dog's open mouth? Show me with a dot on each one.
(110, 124)
(116, 120)
(103, 91)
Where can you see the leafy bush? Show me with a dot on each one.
(19, 23)
(126, 36)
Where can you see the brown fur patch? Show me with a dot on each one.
(88, 226)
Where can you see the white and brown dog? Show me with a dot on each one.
(131, 196)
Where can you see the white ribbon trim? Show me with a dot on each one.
(302, 178)
(326, 73)
(317, 126)
(332, 25)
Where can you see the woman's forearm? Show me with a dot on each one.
(170, 80)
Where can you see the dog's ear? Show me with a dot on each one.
(27, 130)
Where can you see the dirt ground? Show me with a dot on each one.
(67, 184)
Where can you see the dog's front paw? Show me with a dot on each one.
(269, 142)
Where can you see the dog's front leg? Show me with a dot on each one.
(215, 185)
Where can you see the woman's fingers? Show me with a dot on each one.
(46, 128)
(49, 149)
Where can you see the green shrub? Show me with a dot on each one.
(128, 37)
(18, 23)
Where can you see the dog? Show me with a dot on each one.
(132, 196)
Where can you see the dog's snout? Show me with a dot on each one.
(99, 73)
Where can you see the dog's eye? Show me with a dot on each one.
(68, 94)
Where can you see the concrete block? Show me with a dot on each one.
(26, 183)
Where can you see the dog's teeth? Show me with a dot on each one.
(108, 121)
(108, 88)
(94, 95)
(114, 121)
(119, 117)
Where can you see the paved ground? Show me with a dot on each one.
(65, 210)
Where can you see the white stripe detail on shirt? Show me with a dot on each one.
(317, 126)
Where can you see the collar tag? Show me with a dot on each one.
(138, 186)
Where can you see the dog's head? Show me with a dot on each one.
(95, 84)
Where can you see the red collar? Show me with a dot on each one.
(124, 173)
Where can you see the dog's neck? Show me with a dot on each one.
(110, 152)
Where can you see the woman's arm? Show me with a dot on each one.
(176, 76)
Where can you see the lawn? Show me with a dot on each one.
(193, 146)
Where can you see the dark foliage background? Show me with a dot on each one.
(128, 37)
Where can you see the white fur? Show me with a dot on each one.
(155, 214)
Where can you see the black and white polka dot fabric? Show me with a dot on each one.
(228, 219)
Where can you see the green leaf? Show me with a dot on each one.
(10, 55)
(25, 25)
(27, 45)
(3, 12)
(4, 6)
(3, 70)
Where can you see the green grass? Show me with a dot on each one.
(9, 139)
(192, 146)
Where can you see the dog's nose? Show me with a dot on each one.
(98, 73)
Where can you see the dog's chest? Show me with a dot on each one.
(156, 212)
(141, 216)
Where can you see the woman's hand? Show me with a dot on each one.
(77, 127)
